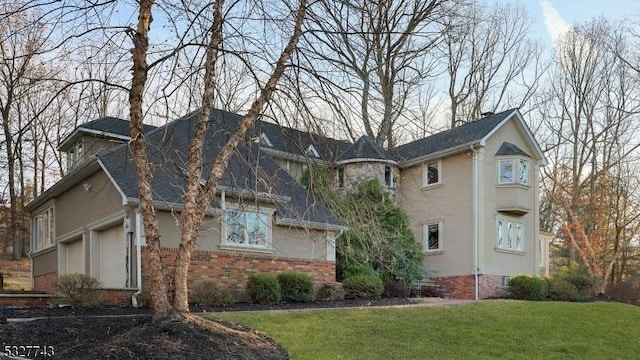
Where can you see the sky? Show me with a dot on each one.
(553, 17)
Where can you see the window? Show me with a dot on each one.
(340, 176)
(246, 229)
(524, 172)
(505, 281)
(432, 237)
(509, 235)
(74, 156)
(432, 174)
(388, 176)
(505, 175)
(507, 171)
(43, 230)
(519, 236)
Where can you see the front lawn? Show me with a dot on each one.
(484, 330)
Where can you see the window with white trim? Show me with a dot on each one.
(524, 172)
(513, 171)
(74, 155)
(509, 235)
(432, 173)
(43, 230)
(247, 229)
(432, 237)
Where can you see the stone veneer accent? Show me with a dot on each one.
(232, 269)
(463, 287)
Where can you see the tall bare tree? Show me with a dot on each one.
(172, 301)
(491, 60)
(592, 119)
(374, 55)
(22, 38)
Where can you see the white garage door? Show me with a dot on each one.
(75, 257)
(112, 258)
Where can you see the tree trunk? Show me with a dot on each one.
(198, 198)
(161, 306)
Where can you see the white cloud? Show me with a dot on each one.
(555, 24)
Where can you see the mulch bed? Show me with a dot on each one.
(129, 333)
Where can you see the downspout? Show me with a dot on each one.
(475, 225)
(134, 300)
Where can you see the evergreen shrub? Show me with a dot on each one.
(263, 289)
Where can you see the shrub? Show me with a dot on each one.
(562, 290)
(363, 287)
(295, 286)
(206, 292)
(395, 289)
(263, 289)
(584, 283)
(527, 287)
(627, 291)
(331, 291)
(80, 289)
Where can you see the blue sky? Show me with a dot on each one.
(554, 16)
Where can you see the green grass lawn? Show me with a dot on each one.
(484, 330)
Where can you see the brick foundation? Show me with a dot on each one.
(231, 270)
(117, 297)
(46, 282)
(463, 287)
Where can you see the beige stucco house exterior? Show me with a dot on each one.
(471, 194)
(262, 220)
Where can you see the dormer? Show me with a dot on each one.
(87, 139)
(312, 151)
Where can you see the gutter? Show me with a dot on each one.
(440, 154)
(134, 300)
(476, 222)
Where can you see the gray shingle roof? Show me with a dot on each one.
(462, 135)
(249, 168)
(508, 148)
(112, 125)
(106, 126)
(364, 148)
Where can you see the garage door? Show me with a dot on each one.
(112, 258)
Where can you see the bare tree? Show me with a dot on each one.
(369, 57)
(490, 59)
(169, 302)
(592, 117)
(22, 38)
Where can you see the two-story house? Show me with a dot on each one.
(471, 193)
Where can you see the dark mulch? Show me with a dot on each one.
(129, 333)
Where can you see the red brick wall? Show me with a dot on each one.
(231, 270)
(15, 300)
(46, 282)
(463, 287)
(116, 297)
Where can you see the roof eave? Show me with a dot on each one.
(440, 154)
(355, 160)
(309, 224)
